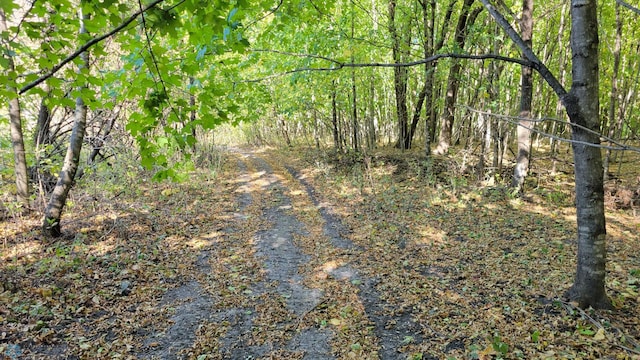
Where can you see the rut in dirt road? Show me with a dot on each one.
(261, 198)
(281, 262)
(393, 329)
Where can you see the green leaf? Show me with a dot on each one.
(226, 33)
(535, 336)
(8, 6)
(586, 331)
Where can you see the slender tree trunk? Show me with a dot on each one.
(193, 114)
(53, 212)
(627, 105)
(589, 286)
(334, 118)
(559, 109)
(285, 129)
(446, 125)
(42, 135)
(399, 79)
(526, 98)
(429, 119)
(614, 90)
(416, 115)
(490, 139)
(371, 122)
(316, 123)
(17, 140)
(453, 82)
(100, 143)
(354, 113)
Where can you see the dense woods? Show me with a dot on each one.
(101, 92)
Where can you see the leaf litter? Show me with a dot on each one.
(296, 256)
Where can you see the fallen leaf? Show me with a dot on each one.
(599, 336)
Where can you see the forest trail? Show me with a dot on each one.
(271, 254)
(285, 311)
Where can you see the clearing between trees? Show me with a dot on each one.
(276, 254)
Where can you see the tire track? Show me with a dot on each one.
(393, 329)
(281, 260)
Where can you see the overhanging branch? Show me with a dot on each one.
(339, 65)
(536, 64)
(628, 6)
(85, 47)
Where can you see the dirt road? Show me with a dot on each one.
(286, 283)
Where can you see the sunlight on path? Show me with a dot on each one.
(281, 262)
(392, 328)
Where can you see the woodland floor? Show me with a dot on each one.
(312, 255)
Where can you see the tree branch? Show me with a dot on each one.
(155, 61)
(313, 56)
(270, 12)
(85, 47)
(532, 58)
(628, 6)
(339, 64)
(515, 120)
(24, 18)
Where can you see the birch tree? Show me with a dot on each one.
(17, 140)
(53, 212)
(526, 97)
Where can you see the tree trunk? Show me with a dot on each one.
(582, 106)
(354, 109)
(354, 113)
(614, 90)
(589, 286)
(334, 118)
(371, 121)
(42, 135)
(562, 66)
(316, 124)
(17, 140)
(399, 80)
(99, 144)
(53, 212)
(446, 127)
(416, 115)
(431, 47)
(526, 87)
(285, 129)
(193, 114)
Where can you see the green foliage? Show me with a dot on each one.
(150, 63)
(535, 336)
(499, 346)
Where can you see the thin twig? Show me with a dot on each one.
(583, 314)
(85, 47)
(33, 4)
(339, 65)
(628, 349)
(516, 121)
(155, 62)
(570, 308)
(270, 12)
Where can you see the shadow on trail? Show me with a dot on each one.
(392, 329)
(281, 259)
(246, 337)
